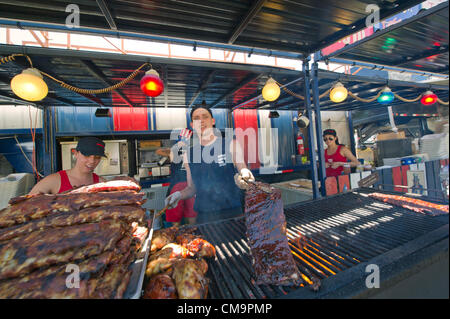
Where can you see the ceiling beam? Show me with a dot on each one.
(248, 79)
(166, 85)
(422, 55)
(107, 14)
(251, 13)
(203, 86)
(18, 101)
(8, 49)
(97, 73)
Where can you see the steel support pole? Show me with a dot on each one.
(312, 153)
(352, 133)
(50, 165)
(318, 119)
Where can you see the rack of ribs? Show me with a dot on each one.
(96, 228)
(417, 205)
(40, 206)
(43, 248)
(126, 213)
(266, 232)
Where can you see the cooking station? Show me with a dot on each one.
(332, 240)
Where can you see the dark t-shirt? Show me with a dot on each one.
(177, 175)
(213, 171)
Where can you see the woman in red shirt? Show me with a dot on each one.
(88, 154)
(336, 155)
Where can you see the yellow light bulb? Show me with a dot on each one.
(339, 93)
(271, 90)
(29, 85)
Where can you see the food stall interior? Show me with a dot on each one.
(332, 239)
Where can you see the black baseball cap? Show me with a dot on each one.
(329, 131)
(91, 146)
(201, 107)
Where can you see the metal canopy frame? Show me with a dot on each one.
(437, 14)
(314, 80)
(279, 27)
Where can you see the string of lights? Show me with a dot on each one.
(338, 93)
(30, 85)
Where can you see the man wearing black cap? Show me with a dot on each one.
(218, 175)
(88, 154)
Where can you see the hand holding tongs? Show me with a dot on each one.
(162, 211)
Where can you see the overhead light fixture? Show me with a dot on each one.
(386, 96)
(29, 85)
(271, 90)
(274, 115)
(151, 84)
(302, 121)
(429, 98)
(102, 112)
(338, 93)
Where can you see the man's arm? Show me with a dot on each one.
(190, 190)
(237, 155)
(48, 185)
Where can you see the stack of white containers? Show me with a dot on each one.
(435, 145)
(14, 185)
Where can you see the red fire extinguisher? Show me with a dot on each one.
(300, 146)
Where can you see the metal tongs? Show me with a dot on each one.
(161, 211)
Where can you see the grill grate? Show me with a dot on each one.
(325, 236)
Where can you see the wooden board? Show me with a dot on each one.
(354, 179)
(331, 186)
(344, 183)
(387, 179)
(405, 169)
(397, 178)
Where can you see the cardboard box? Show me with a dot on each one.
(147, 144)
(390, 136)
(165, 170)
(156, 171)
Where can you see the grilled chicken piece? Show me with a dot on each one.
(177, 251)
(162, 237)
(160, 287)
(190, 280)
(163, 259)
(197, 245)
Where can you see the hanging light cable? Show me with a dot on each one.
(33, 82)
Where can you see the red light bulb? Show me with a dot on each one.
(429, 98)
(151, 84)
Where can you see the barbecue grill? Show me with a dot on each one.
(333, 240)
